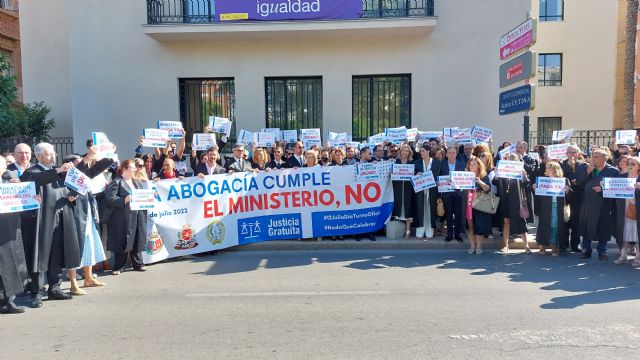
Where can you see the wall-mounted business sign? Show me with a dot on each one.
(517, 99)
(522, 37)
(270, 10)
(520, 68)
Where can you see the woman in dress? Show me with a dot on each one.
(630, 226)
(510, 191)
(86, 213)
(551, 225)
(260, 160)
(478, 222)
(127, 228)
(426, 213)
(403, 193)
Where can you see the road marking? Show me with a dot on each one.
(293, 293)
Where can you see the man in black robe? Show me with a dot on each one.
(531, 167)
(570, 167)
(596, 213)
(13, 269)
(54, 244)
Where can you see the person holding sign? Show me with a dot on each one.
(626, 216)
(403, 193)
(13, 268)
(572, 166)
(54, 243)
(478, 222)
(426, 212)
(127, 228)
(510, 192)
(597, 211)
(452, 200)
(551, 226)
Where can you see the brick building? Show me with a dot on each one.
(10, 38)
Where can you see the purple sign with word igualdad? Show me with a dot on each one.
(270, 10)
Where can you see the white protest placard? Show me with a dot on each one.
(220, 125)
(548, 186)
(463, 180)
(290, 136)
(509, 169)
(105, 148)
(444, 184)
(77, 181)
(155, 138)
(481, 133)
(449, 133)
(511, 149)
(402, 172)
(338, 137)
(310, 138)
(534, 155)
(424, 136)
(618, 188)
(16, 197)
(333, 144)
(181, 168)
(412, 134)
(203, 141)
(353, 144)
(423, 182)
(396, 135)
(247, 137)
(99, 184)
(266, 139)
(174, 128)
(275, 131)
(367, 171)
(625, 137)
(142, 199)
(562, 135)
(557, 151)
(377, 139)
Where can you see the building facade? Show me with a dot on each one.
(119, 66)
(10, 38)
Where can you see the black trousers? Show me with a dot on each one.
(453, 210)
(56, 261)
(120, 260)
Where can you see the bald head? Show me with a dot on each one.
(22, 154)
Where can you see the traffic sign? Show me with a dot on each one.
(520, 68)
(517, 99)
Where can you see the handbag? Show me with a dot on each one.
(485, 202)
(630, 212)
(439, 207)
(566, 212)
(524, 210)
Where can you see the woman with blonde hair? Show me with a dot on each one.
(630, 226)
(310, 158)
(260, 159)
(403, 194)
(478, 222)
(551, 226)
(337, 157)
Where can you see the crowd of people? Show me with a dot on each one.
(68, 230)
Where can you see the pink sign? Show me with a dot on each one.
(523, 36)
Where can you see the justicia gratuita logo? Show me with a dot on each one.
(265, 8)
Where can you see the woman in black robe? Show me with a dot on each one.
(13, 268)
(510, 191)
(551, 226)
(478, 222)
(403, 194)
(127, 228)
(426, 200)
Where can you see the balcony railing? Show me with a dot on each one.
(203, 11)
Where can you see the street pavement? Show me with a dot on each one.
(343, 304)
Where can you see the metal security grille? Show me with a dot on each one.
(379, 102)
(546, 127)
(201, 98)
(583, 138)
(397, 8)
(293, 103)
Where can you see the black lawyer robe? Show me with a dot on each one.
(50, 186)
(545, 204)
(596, 214)
(433, 194)
(124, 224)
(13, 268)
(403, 197)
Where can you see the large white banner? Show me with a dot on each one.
(196, 215)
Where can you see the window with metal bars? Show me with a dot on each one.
(379, 102)
(205, 97)
(293, 103)
(546, 127)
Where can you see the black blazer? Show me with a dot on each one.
(202, 169)
(272, 165)
(444, 171)
(293, 162)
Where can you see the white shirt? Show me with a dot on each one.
(210, 169)
(44, 166)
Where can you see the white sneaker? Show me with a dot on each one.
(429, 232)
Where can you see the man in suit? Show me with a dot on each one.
(278, 161)
(452, 200)
(297, 160)
(22, 154)
(210, 167)
(237, 163)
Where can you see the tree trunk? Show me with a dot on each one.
(630, 64)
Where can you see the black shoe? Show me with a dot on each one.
(11, 308)
(59, 295)
(448, 239)
(603, 257)
(36, 301)
(584, 255)
(459, 238)
(372, 237)
(575, 250)
(358, 238)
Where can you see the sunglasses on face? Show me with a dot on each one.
(139, 166)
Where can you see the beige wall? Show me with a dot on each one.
(587, 40)
(121, 80)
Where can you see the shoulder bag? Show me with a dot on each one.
(485, 202)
